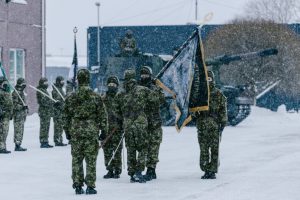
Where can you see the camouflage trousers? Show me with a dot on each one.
(58, 128)
(44, 128)
(109, 148)
(155, 139)
(136, 138)
(4, 128)
(84, 149)
(19, 121)
(208, 138)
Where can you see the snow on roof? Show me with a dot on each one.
(65, 61)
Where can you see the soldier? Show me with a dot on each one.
(85, 115)
(45, 112)
(20, 112)
(112, 101)
(128, 44)
(69, 87)
(210, 125)
(135, 100)
(6, 108)
(59, 95)
(154, 121)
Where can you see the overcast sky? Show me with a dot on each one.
(63, 15)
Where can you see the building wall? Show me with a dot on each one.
(21, 28)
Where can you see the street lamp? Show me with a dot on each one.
(98, 37)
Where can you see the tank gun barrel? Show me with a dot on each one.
(226, 59)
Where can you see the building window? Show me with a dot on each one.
(16, 64)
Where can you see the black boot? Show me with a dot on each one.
(79, 190)
(90, 190)
(211, 175)
(138, 177)
(4, 151)
(205, 176)
(149, 174)
(19, 148)
(153, 174)
(117, 174)
(46, 145)
(60, 144)
(110, 174)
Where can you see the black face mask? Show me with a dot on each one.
(129, 85)
(23, 86)
(112, 89)
(145, 81)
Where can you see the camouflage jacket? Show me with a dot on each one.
(217, 108)
(18, 104)
(156, 100)
(113, 103)
(45, 104)
(84, 114)
(6, 105)
(136, 102)
(58, 108)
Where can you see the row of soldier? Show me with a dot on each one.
(131, 113)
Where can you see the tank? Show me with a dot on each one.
(239, 98)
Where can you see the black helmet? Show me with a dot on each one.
(83, 77)
(59, 81)
(113, 79)
(146, 70)
(129, 74)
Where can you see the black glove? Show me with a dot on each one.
(102, 136)
(57, 104)
(68, 135)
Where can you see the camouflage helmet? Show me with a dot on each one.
(146, 70)
(113, 79)
(211, 76)
(43, 80)
(129, 33)
(20, 81)
(129, 74)
(59, 81)
(83, 77)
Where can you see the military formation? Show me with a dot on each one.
(127, 114)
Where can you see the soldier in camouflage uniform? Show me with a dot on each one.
(20, 113)
(112, 101)
(69, 87)
(135, 101)
(59, 95)
(128, 44)
(210, 125)
(6, 108)
(45, 112)
(154, 121)
(85, 115)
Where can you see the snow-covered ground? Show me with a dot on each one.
(260, 160)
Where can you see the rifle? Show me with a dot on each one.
(107, 138)
(58, 92)
(43, 93)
